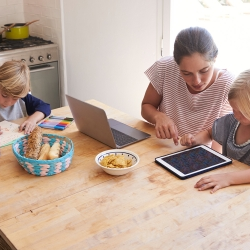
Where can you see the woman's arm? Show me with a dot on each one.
(150, 104)
(164, 125)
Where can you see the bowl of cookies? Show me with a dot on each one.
(43, 154)
(117, 161)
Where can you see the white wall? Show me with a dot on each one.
(108, 45)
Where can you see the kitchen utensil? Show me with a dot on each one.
(19, 31)
(28, 23)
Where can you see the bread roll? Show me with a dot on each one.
(43, 155)
(34, 143)
(54, 151)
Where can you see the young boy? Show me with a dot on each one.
(15, 100)
(232, 132)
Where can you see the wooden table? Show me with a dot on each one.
(149, 208)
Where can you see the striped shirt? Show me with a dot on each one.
(190, 112)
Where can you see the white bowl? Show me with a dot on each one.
(118, 171)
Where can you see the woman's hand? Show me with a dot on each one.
(165, 128)
(216, 182)
(188, 140)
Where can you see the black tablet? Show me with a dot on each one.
(192, 161)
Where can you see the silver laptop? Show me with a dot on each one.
(93, 121)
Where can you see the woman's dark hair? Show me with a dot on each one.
(194, 40)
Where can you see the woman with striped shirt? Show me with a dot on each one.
(232, 131)
(187, 92)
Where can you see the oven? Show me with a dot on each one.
(42, 58)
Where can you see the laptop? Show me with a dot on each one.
(93, 121)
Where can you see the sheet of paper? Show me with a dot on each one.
(10, 133)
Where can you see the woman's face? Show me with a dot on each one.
(197, 72)
(237, 114)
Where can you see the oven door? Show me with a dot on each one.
(45, 83)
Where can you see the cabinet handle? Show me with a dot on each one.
(38, 69)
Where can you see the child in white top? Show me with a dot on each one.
(15, 100)
(232, 132)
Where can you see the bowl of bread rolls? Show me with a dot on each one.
(43, 154)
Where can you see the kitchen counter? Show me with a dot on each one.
(148, 208)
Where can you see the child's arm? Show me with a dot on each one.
(37, 110)
(34, 104)
(31, 122)
(203, 137)
(219, 181)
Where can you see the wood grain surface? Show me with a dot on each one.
(148, 208)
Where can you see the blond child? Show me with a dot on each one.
(232, 132)
(15, 100)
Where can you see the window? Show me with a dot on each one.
(227, 21)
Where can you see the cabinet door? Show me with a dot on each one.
(107, 47)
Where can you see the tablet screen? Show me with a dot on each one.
(193, 161)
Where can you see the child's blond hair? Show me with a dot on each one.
(15, 78)
(240, 91)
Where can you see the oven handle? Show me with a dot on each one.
(41, 68)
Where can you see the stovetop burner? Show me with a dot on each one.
(31, 41)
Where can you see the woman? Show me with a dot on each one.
(187, 92)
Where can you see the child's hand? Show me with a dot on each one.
(188, 140)
(28, 126)
(216, 182)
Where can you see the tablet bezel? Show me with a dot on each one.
(181, 175)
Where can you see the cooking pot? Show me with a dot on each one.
(19, 31)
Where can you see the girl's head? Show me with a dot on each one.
(14, 82)
(195, 40)
(239, 96)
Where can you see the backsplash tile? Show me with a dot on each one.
(49, 14)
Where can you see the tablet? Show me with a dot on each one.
(192, 161)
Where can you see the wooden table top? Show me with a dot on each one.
(148, 208)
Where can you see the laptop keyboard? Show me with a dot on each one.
(121, 138)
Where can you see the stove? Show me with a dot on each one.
(8, 44)
(32, 50)
(42, 57)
